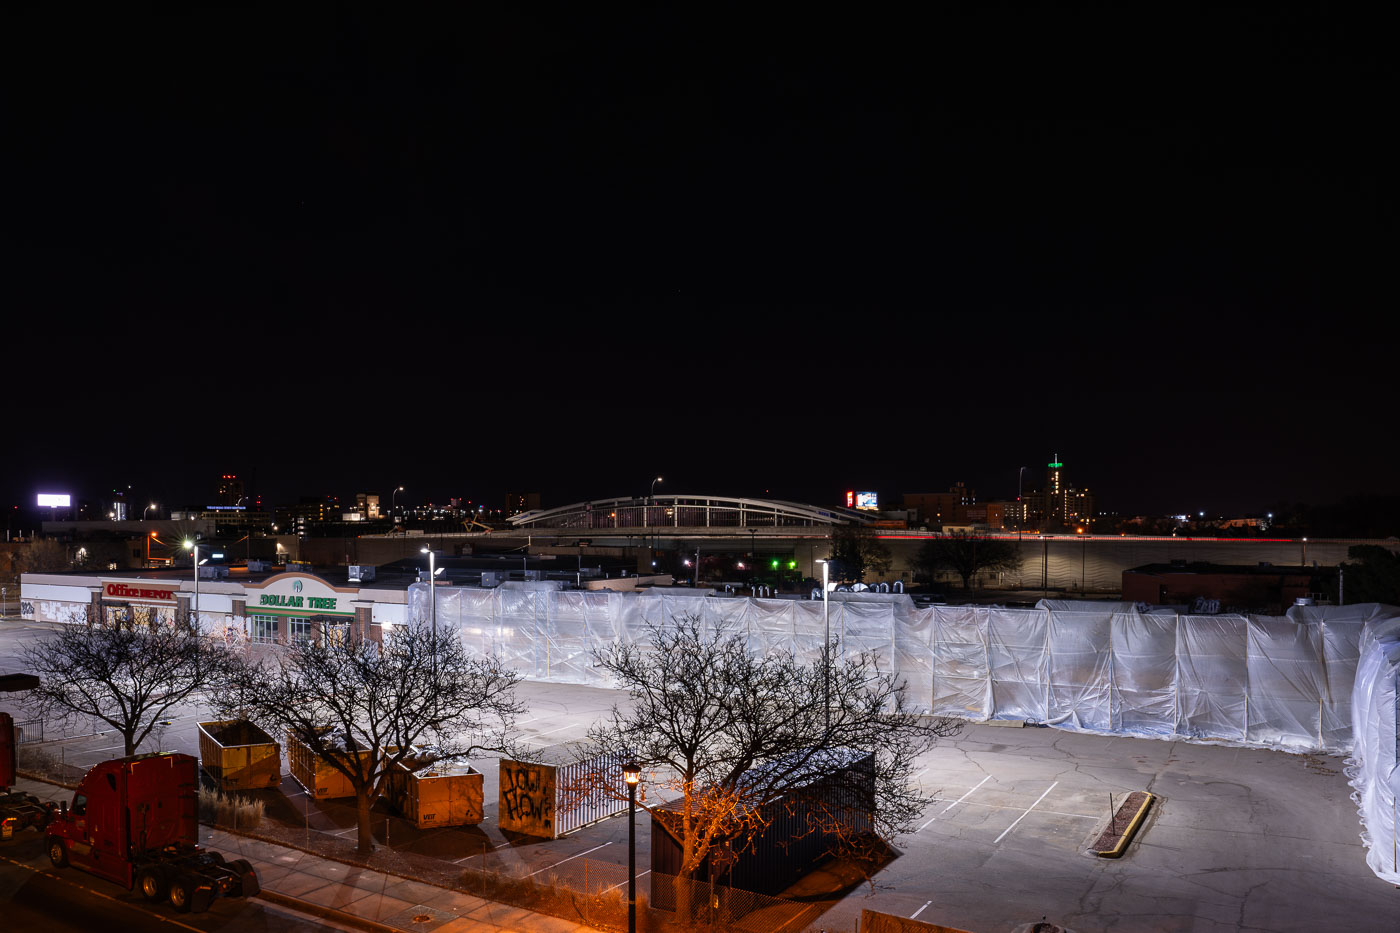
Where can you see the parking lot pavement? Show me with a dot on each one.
(1239, 839)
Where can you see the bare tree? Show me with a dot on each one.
(967, 555)
(130, 678)
(736, 735)
(856, 551)
(363, 707)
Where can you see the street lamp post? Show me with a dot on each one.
(646, 507)
(432, 612)
(632, 773)
(194, 607)
(826, 642)
(145, 510)
(394, 505)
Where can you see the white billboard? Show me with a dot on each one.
(56, 500)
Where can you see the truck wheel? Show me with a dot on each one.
(152, 883)
(181, 888)
(248, 879)
(58, 853)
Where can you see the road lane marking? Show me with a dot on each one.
(915, 914)
(81, 887)
(569, 859)
(1023, 815)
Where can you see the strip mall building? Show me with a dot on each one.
(273, 608)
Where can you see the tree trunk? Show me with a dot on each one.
(366, 836)
(130, 739)
(685, 898)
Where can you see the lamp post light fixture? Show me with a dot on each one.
(145, 510)
(394, 505)
(632, 774)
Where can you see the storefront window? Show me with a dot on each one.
(299, 630)
(333, 633)
(264, 630)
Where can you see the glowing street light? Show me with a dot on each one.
(632, 774)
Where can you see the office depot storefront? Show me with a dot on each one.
(138, 602)
(279, 609)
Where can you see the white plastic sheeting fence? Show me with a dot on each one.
(1374, 765)
(1275, 681)
(1320, 679)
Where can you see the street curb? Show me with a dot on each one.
(272, 840)
(1131, 831)
(326, 913)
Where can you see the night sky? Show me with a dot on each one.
(754, 253)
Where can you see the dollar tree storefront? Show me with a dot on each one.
(298, 608)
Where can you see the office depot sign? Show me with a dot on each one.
(140, 591)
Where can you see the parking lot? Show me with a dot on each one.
(1240, 839)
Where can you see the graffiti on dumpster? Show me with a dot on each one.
(527, 798)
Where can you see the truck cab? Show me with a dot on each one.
(135, 821)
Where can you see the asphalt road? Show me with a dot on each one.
(36, 896)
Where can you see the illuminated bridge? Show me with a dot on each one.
(688, 515)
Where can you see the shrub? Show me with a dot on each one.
(222, 809)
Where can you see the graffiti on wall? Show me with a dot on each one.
(527, 798)
(26, 609)
(67, 613)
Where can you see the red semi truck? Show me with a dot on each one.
(135, 821)
(17, 810)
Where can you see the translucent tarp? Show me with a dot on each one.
(1272, 681)
(1372, 767)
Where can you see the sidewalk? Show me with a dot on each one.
(356, 896)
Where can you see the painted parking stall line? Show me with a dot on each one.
(560, 729)
(569, 859)
(956, 802)
(1023, 815)
(621, 883)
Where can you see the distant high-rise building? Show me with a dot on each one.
(939, 507)
(1058, 504)
(367, 505)
(517, 502)
(230, 490)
